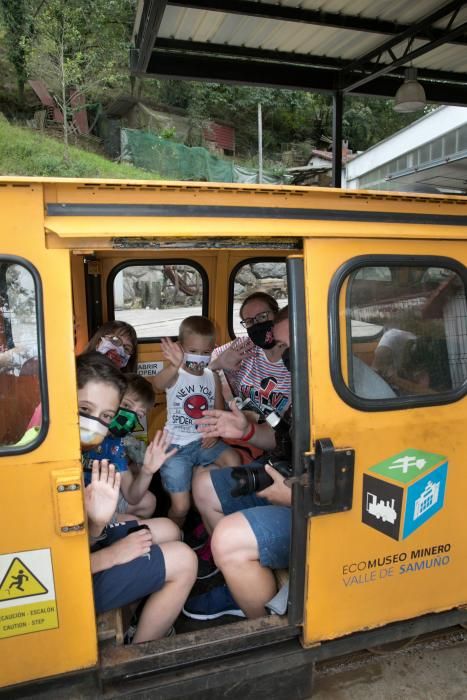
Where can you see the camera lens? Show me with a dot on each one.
(249, 480)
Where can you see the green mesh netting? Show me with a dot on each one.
(175, 161)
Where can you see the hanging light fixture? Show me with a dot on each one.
(411, 96)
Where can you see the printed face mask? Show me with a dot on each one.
(196, 362)
(123, 423)
(115, 353)
(286, 359)
(261, 335)
(92, 431)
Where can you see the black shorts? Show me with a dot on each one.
(126, 583)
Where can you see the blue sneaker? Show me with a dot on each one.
(215, 603)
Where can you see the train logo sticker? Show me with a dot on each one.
(401, 493)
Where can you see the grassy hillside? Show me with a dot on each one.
(26, 152)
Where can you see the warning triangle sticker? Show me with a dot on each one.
(20, 582)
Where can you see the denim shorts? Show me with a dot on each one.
(127, 583)
(177, 471)
(271, 524)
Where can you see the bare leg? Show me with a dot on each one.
(162, 608)
(162, 530)
(145, 508)
(206, 500)
(179, 507)
(235, 551)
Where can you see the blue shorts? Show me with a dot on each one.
(271, 525)
(126, 583)
(177, 471)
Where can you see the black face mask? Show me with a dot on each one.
(286, 359)
(261, 335)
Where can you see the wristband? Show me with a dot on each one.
(249, 434)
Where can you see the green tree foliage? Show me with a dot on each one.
(288, 115)
(14, 15)
(80, 47)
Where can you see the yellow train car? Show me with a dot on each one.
(376, 286)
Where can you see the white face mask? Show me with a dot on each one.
(114, 352)
(92, 431)
(196, 362)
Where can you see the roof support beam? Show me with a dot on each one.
(337, 116)
(151, 18)
(188, 66)
(338, 20)
(405, 58)
(451, 8)
(292, 59)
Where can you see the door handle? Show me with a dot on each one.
(325, 472)
(68, 501)
(330, 478)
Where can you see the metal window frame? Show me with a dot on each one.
(10, 450)
(335, 358)
(140, 262)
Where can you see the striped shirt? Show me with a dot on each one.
(266, 384)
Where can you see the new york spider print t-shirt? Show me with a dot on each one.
(187, 399)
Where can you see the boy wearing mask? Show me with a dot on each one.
(127, 565)
(191, 389)
(135, 500)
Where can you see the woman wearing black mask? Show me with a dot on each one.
(253, 366)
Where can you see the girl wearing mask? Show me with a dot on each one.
(116, 340)
(253, 366)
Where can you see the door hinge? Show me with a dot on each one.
(330, 472)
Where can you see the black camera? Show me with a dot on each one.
(251, 479)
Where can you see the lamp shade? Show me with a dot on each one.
(411, 95)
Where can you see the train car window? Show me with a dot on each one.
(255, 275)
(22, 403)
(406, 333)
(155, 298)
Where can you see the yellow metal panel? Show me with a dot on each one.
(81, 228)
(27, 512)
(340, 545)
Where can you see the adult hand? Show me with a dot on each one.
(278, 493)
(138, 544)
(101, 494)
(233, 356)
(157, 452)
(227, 424)
(173, 352)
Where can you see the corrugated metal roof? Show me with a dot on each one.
(226, 40)
(255, 32)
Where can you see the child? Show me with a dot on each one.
(191, 388)
(127, 566)
(139, 398)
(135, 500)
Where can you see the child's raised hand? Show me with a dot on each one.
(158, 452)
(101, 495)
(172, 352)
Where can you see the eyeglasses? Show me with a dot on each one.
(259, 318)
(116, 340)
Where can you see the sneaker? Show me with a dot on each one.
(129, 634)
(197, 537)
(131, 631)
(215, 603)
(206, 568)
